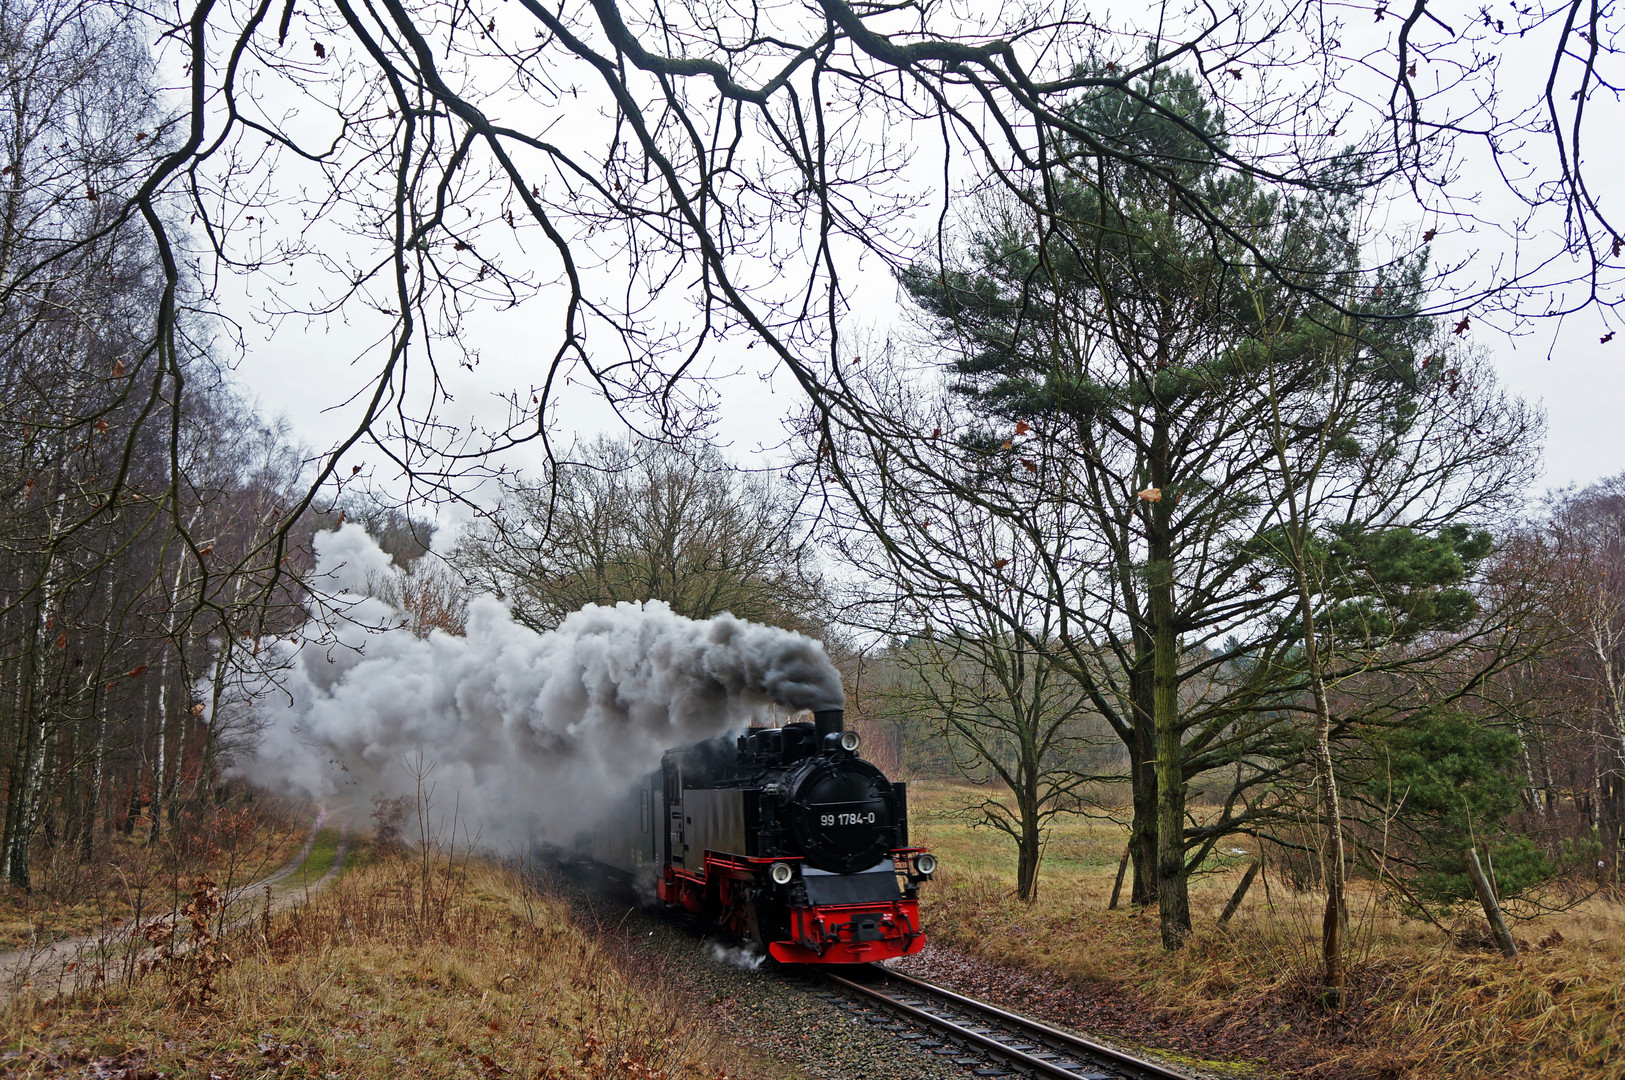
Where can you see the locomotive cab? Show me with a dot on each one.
(788, 837)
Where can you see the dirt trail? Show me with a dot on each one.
(74, 963)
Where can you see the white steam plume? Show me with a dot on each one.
(533, 732)
(743, 957)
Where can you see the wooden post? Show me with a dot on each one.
(1492, 910)
(1241, 891)
(1117, 889)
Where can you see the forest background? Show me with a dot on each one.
(1180, 497)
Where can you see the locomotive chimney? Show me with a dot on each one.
(828, 722)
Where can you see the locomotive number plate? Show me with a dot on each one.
(848, 819)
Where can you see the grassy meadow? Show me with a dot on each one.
(452, 969)
(454, 966)
(1422, 1005)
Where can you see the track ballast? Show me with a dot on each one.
(975, 1033)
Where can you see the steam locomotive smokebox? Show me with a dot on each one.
(829, 721)
(779, 834)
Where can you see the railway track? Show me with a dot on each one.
(983, 1037)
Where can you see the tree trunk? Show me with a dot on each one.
(1241, 892)
(1027, 870)
(1336, 915)
(1173, 901)
(93, 792)
(217, 690)
(1143, 832)
(1335, 919)
(24, 804)
(167, 745)
(1172, 898)
(1117, 887)
(28, 764)
(1029, 852)
(156, 833)
(1532, 792)
(1492, 909)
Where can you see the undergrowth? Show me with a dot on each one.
(1421, 1004)
(454, 969)
(79, 891)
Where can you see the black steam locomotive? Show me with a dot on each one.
(785, 837)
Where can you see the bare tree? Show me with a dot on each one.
(1004, 704)
(1584, 535)
(647, 522)
(607, 156)
(71, 431)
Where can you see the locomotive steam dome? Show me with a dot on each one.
(842, 813)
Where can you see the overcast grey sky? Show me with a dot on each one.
(306, 373)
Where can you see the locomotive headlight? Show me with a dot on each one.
(781, 873)
(849, 741)
(925, 864)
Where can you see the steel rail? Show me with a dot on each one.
(1038, 1033)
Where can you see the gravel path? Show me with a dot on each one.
(73, 963)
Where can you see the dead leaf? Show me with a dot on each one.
(1000, 564)
(1429, 235)
(321, 50)
(118, 368)
(197, 710)
(1461, 327)
(1606, 338)
(1152, 494)
(62, 640)
(1021, 427)
(1032, 466)
(137, 671)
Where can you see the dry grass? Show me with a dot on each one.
(459, 970)
(1422, 1006)
(128, 877)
